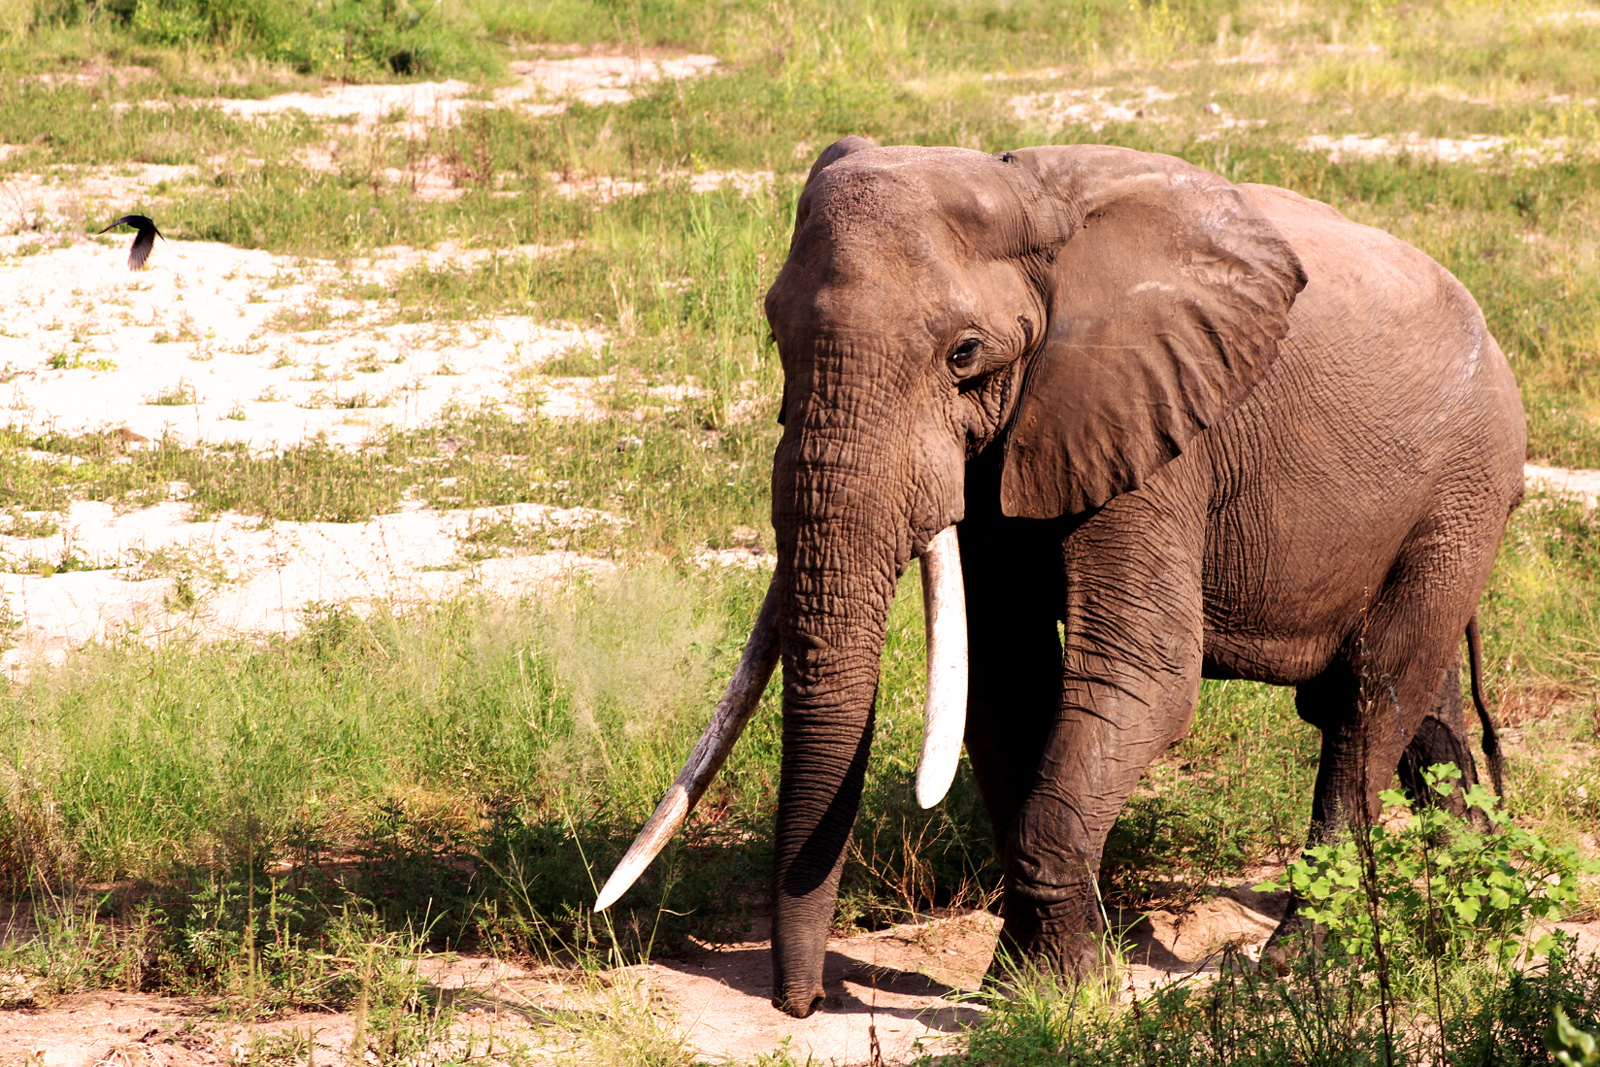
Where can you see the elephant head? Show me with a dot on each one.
(1084, 310)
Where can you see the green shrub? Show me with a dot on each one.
(1430, 887)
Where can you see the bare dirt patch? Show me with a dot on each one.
(218, 344)
(1482, 148)
(1444, 149)
(34, 202)
(1581, 484)
(542, 87)
(1092, 107)
(606, 188)
(93, 74)
(908, 988)
(155, 573)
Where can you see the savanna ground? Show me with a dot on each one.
(373, 559)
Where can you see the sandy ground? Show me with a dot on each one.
(910, 989)
(218, 344)
(1092, 107)
(1581, 484)
(158, 573)
(540, 87)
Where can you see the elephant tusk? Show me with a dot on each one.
(944, 602)
(733, 712)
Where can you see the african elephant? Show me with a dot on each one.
(1177, 427)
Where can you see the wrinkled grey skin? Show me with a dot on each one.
(1213, 430)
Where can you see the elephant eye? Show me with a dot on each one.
(965, 352)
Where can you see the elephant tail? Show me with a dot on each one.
(1491, 736)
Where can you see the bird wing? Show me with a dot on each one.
(126, 220)
(140, 251)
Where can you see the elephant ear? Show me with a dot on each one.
(1169, 293)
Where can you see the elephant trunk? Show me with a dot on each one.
(840, 570)
(833, 645)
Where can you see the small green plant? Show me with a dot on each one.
(19, 523)
(75, 361)
(179, 395)
(1445, 890)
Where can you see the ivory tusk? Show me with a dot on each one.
(733, 712)
(944, 602)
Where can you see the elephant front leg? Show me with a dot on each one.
(1105, 735)
(1130, 680)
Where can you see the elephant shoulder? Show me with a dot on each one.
(1357, 267)
(1272, 202)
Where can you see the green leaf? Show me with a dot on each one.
(1571, 1046)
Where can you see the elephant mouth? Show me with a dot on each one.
(944, 715)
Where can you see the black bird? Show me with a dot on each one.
(143, 241)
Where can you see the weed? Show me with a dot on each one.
(31, 525)
(178, 395)
(1571, 1046)
(75, 361)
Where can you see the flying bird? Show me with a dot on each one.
(143, 241)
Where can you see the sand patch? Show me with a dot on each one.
(93, 74)
(907, 988)
(1559, 18)
(73, 196)
(1093, 108)
(1581, 484)
(159, 574)
(1443, 149)
(605, 188)
(219, 344)
(542, 87)
(1483, 148)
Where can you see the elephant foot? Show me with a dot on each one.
(1295, 936)
(1050, 942)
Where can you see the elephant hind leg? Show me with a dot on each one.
(1391, 700)
(1441, 738)
(1372, 719)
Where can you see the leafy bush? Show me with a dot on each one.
(1421, 918)
(1322, 1013)
(1428, 886)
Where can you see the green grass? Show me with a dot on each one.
(460, 775)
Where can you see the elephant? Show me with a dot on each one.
(1141, 426)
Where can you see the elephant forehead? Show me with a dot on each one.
(908, 188)
(868, 289)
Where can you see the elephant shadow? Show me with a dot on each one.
(850, 986)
